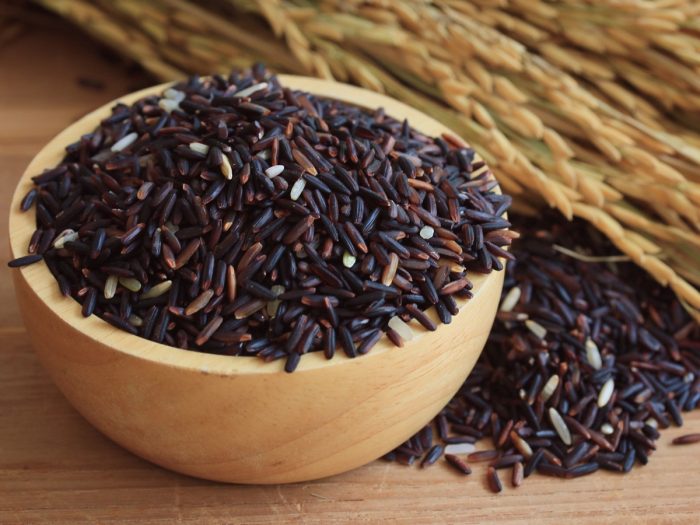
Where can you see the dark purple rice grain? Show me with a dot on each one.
(518, 474)
(117, 321)
(369, 342)
(425, 436)
(25, 261)
(582, 470)
(458, 464)
(533, 462)
(89, 302)
(629, 460)
(507, 461)
(421, 317)
(292, 362)
(29, 199)
(98, 241)
(568, 295)
(687, 439)
(346, 341)
(610, 465)
(652, 356)
(432, 456)
(483, 455)
(575, 456)
(493, 480)
(549, 469)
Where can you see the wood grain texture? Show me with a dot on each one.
(240, 419)
(55, 468)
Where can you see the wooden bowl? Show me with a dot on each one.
(238, 419)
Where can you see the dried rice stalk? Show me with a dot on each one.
(508, 74)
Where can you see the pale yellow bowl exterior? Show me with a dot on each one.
(238, 419)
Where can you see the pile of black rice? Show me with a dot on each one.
(588, 358)
(232, 215)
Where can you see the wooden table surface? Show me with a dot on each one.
(55, 468)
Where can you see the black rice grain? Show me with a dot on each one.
(247, 206)
(458, 464)
(687, 439)
(25, 261)
(611, 355)
(493, 480)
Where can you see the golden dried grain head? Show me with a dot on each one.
(602, 149)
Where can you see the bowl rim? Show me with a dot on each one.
(43, 284)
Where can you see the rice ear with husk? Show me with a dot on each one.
(575, 105)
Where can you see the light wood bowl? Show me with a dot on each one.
(238, 419)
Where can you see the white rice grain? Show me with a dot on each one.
(400, 327)
(111, 286)
(125, 141)
(460, 448)
(606, 392)
(560, 426)
(297, 189)
(250, 90)
(349, 260)
(174, 94)
(536, 328)
(426, 232)
(65, 236)
(549, 388)
(168, 105)
(157, 290)
(225, 167)
(593, 354)
(273, 171)
(130, 283)
(199, 147)
(511, 299)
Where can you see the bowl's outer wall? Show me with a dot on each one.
(252, 428)
(236, 419)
